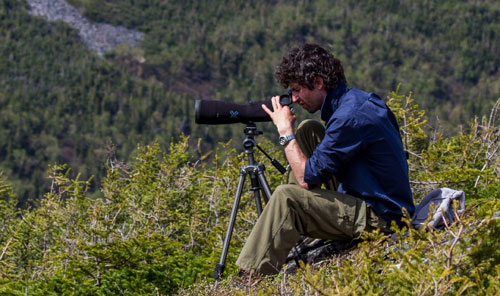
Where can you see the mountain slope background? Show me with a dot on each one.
(61, 102)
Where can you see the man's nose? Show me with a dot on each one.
(295, 98)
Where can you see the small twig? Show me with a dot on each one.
(415, 154)
(5, 248)
(336, 285)
(436, 290)
(316, 288)
(455, 240)
(425, 182)
(191, 235)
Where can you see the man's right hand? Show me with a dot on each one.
(283, 119)
(282, 116)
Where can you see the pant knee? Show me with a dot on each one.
(309, 134)
(287, 195)
(309, 125)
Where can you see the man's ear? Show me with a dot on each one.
(319, 84)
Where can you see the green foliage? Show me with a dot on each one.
(469, 161)
(160, 223)
(8, 214)
(455, 261)
(484, 252)
(410, 120)
(158, 226)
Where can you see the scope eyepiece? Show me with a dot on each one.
(286, 98)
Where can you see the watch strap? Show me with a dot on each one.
(285, 139)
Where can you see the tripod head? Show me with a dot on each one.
(251, 130)
(249, 143)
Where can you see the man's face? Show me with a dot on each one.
(309, 99)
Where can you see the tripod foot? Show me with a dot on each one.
(219, 269)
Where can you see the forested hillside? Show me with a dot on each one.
(61, 103)
(445, 51)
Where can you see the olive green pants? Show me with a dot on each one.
(293, 211)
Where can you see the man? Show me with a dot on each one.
(359, 147)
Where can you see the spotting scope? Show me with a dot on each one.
(220, 112)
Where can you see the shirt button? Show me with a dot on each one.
(346, 218)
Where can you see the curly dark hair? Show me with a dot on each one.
(303, 64)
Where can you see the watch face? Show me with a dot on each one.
(282, 140)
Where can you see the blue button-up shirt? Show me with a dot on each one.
(362, 148)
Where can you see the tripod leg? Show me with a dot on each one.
(256, 192)
(219, 268)
(263, 183)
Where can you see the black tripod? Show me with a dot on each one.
(259, 182)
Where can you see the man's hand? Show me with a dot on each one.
(282, 116)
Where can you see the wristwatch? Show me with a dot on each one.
(285, 139)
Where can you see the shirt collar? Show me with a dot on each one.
(331, 102)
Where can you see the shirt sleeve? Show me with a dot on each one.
(343, 140)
